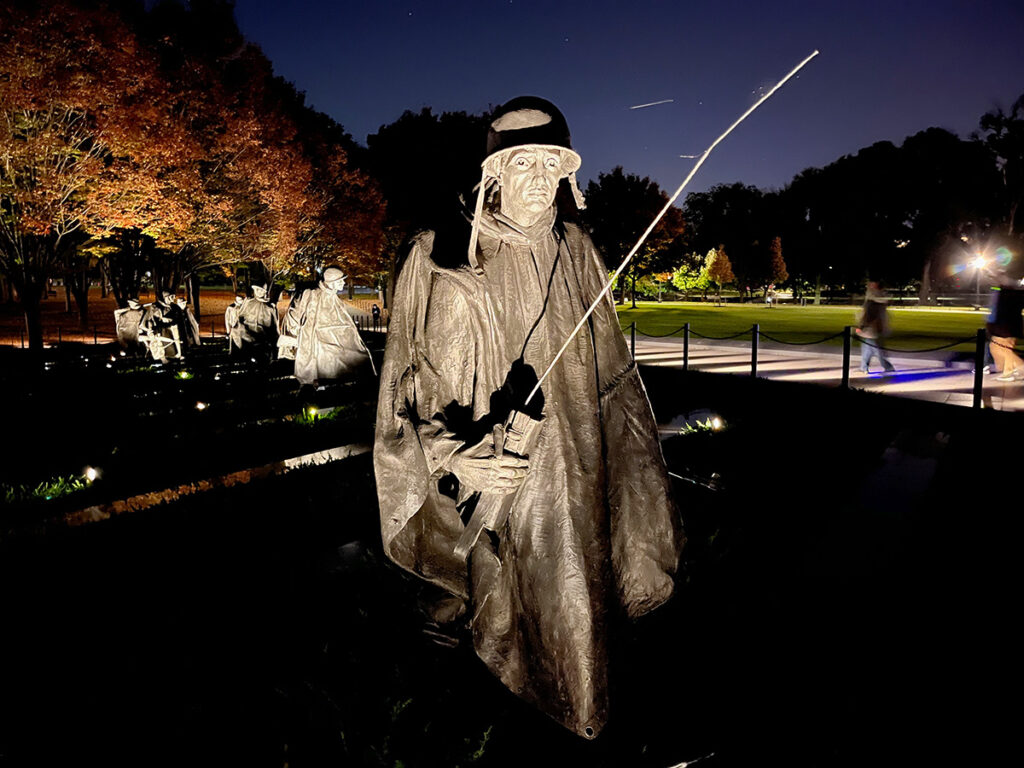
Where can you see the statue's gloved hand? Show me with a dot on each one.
(478, 467)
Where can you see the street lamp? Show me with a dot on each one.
(979, 264)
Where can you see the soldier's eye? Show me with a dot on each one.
(522, 162)
(552, 163)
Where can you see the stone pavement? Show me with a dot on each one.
(939, 377)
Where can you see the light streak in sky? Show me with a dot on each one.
(653, 224)
(653, 103)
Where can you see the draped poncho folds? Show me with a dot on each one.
(593, 530)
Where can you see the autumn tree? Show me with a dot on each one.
(777, 273)
(66, 75)
(719, 269)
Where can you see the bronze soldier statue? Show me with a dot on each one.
(592, 530)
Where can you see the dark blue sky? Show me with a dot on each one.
(886, 70)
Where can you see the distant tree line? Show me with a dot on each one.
(151, 139)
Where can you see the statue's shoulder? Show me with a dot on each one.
(576, 236)
(430, 263)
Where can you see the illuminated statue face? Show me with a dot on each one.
(337, 285)
(529, 182)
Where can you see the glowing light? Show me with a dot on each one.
(91, 474)
(979, 262)
(216, 377)
(110, 365)
(716, 423)
(123, 353)
(964, 238)
(200, 406)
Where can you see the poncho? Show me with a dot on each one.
(593, 530)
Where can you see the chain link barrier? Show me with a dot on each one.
(764, 335)
(863, 340)
(876, 345)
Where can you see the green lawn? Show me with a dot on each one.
(912, 328)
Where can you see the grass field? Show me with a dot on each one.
(912, 328)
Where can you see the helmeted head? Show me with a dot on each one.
(134, 304)
(181, 302)
(529, 151)
(259, 292)
(529, 122)
(168, 297)
(334, 279)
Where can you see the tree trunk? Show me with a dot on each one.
(192, 293)
(29, 298)
(633, 291)
(817, 290)
(67, 295)
(81, 295)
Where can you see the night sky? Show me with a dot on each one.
(886, 70)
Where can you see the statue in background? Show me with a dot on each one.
(592, 530)
(189, 326)
(160, 328)
(232, 326)
(126, 322)
(319, 329)
(257, 317)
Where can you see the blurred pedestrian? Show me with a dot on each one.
(1004, 324)
(872, 327)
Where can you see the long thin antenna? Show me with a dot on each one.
(653, 224)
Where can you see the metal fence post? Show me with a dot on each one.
(846, 356)
(632, 339)
(755, 331)
(979, 365)
(213, 332)
(60, 339)
(22, 331)
(686, 346)
(95, 337)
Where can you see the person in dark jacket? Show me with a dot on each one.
(1004, 324)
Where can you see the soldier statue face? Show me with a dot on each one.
(529, 182)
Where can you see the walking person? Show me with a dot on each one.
(1004, 324)
(872, 327)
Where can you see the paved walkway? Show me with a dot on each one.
(938, 377)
